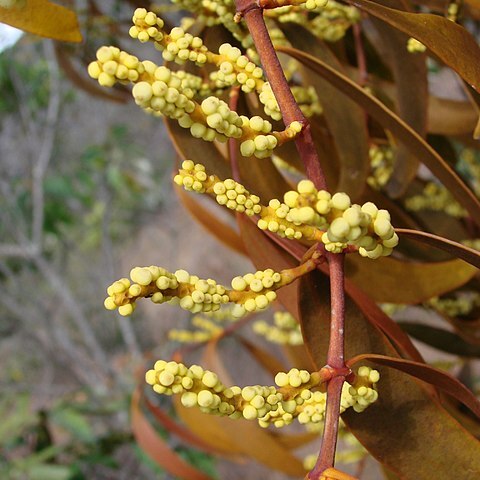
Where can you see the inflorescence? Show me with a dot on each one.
(438, 198)
(298, 394)
(284, 331)
(304, 213)
(248, 293)
(191, 100)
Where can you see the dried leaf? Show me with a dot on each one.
(44, 18)
(398, 127)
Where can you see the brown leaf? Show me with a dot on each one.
(398, 127)
(450, 117)
(410, 74)
(456, 249)
(392, 280)
(210, 428)
(262, 446)
(449, 41)
(438, 378)
(44, 18)
(444, 116)
(406, 429)
(157, 448)
(265, 253)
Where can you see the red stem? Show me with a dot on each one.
(336, 360)
(288, 106)
(336, 348)
(291, 112)
(326, 459)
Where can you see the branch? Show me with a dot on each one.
(291, 112)
(335, 360)
(273, 69)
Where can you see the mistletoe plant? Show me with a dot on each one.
(240, 93)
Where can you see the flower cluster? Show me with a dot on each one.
(438, 198)
(456, 306)
(296, 394)
(306, 213)
(306, 98)
(285, 330)
(206, 329)
(180, 46)
(227, 192)
(177, 46)
(160, 91)
(381, 163)
(249, 293)
(345, 223)
(114, 65)
(415, 46)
